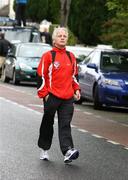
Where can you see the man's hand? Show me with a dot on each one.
(46, 98)
(77, 95)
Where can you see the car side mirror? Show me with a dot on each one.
(92, 66)
(10, 54)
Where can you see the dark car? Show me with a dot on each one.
(22, 62)
(104, 79)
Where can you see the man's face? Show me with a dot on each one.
(61, 39)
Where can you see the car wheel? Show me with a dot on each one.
(4, 78)
(14, 80)
(97, 104)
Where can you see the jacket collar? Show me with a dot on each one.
(59, 50)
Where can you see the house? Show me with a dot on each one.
(6, 8)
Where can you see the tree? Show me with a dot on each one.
(65, 8)
(37, 10)
(54, 11)
(86, 19)
(115, 30)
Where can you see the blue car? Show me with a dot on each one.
(103, 77)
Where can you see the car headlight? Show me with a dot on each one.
(25, 66)
(111, 82)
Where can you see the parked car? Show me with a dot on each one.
(22, 61)
(80, 52)
(103, 77)
(16, 34)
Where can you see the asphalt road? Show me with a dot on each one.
(103, 155)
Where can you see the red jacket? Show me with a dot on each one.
(58, 77)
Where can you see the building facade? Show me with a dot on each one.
(3, 3)
(11, 11)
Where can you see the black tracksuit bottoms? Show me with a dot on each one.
(64, 109)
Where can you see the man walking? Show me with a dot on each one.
(58, 86)
(4, 46)
(20, 12)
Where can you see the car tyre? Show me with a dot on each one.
(14, 80)
(97, 104)
(4, 78)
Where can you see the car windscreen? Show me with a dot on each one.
(114, 61)
(32, 51)
(17, 35)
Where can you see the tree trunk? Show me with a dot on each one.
(65, 8)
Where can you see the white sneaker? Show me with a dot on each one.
(70, 155)
(44, 155)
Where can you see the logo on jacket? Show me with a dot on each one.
(56, 64)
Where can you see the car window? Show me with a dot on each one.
(86, 60)
(35, 37)
(114, 61)
(20, 35)
(95, 57)
(32, 51)
(13, 49)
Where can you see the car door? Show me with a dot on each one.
(82, 69)
(91, 75)
(10, 62)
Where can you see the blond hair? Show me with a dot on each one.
(57, 30)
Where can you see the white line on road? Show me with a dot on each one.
(82, 130)
(113, 142)
(126, 125)
(88, 113)
(97, 136)
(36, 105)
(76, 109)
(21, 106)
(126, 148)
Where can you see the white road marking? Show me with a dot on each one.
(126, 125)
(88, 113)
(126, 148)
(97, 136)
(36, 105)
(73, 126)
(76, 109)
(113, 142)
(21, 106)
(82, 130)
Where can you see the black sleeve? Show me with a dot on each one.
(0, 48)
(77, 77)
(39, 81)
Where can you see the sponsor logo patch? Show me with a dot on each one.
(56, 64)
